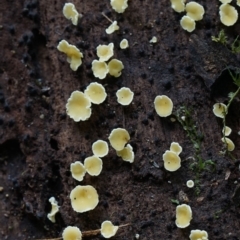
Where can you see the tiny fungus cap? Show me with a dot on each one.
(195, 11)
(118, 138)
(175, 147)
(72, 233)
(172, 162)
(187, 23)
(153, 40)
(84, 198)
(78, 106)
(126, 154)
(115, 67)
(226, 131)
(70, 12)
(225, 1)
(112, 28)
(108, 229)
(119, 5)
(105, 52)
(230, 144)
(96, 93)
(100, 148)
(238, 3)
(228, 14)
(124, 96)
(54, 210)
(190, 183)
(78, 170)
(178, 5)
(198, 234)
(93, 165)
(219, 110)
(124, 44)
(163, 105)
(100, 69)
(183, 215)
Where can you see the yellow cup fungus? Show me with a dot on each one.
(100, 69)
(100, 148)
(78, 170)
(175, 147)
(96, 93)
(115, 67)
(183, 215)
(190, 183)
(172, 162)
(118, 138)
(198, 235)
(238, 3)
(225, 1)
(124, 96)
(112, 28)
(230, 144)
(74, 56)
(108, 229)
(119, 5)
(70, 12)
(187, 23)
(163, 105)
(178, 5)
(153, 40)
(124, 44)
(84, 198)
(54, 210)
(219, 110)
(72, 233)
(195, 11)
(127, 154)
(226, 131)
(78, 106)
(228, 14)
(93, 165)
(105, 52)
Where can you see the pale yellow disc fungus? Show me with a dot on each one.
(54, 210)
(72, 233)
(228, 14)
(115, 67)
(78, 170)
(93, 165)
(70, 12)
(105, 52)
(112, 28)
(172, 161)
(127, 154)
(78, 106)
(198, 235)
(118, 138)
(119, 5)
(153, 40)
(108, 229)
(230, 144)
(96, 93)
(84, 198)
(183, 215)
(124, 96)
(225, 1)
(163, 105)
(226, 131)
(219, 110)
(124, 44)
(175, 147)
(74, 56)
(178, 5)
(190, 183)
(195, 11)
(238, 3)
(100, 69)
(100, 148)
(187, 23)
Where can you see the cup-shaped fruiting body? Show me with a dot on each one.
(175, 147)
(190, 183)
(198, 235)
(172, 162)
(219, 110)
(93, 165)
(225, 1)
(238, 3)
(195, 11)
(119, 5)
(84, 198)
(124, 44)
(118, 138)
(96, 93)
(100, 69)
(153, 40)
(70, 12)
(112, 28)
(100, 148)
(124, 96)
(105, 52)
(178, 5)
(163, 105)
(187, 23)
(78, 170)
(183, 215)
(78, 106)
(230, 144)
(72, 233)
(115, 67)
(74, 56)
(226, 131)
(228, 14)
(54, 210)
(127, 154)
(108, 229)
